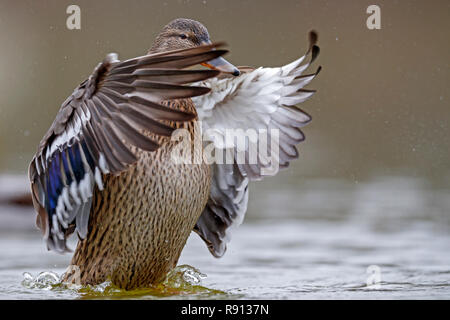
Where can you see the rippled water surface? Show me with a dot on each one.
(314, 241)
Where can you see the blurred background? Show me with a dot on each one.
(376, 157)
(382, 105)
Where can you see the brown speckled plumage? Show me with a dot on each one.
(140, 223)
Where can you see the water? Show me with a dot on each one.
(312, 241)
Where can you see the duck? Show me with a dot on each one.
(106, 169)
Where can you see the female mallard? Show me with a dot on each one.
(105, 169)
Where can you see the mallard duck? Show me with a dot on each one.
(105, 169)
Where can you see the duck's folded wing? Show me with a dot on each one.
(261, 103)
(98, 124)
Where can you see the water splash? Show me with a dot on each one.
(184, 276)
(181, 281)
(46, 280)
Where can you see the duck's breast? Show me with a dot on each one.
(140, 222)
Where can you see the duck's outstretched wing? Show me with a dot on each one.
(99, 123)
(263, 99)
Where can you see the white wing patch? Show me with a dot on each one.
(262, 99)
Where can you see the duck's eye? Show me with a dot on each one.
(183, 36)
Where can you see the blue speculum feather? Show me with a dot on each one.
(77, 163)
(54, 182)
(52, 194)
(88, 156)
(55, 177)
(66, 167)
(57, 172)
(50, 200)
(71, 158)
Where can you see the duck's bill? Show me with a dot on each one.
(222, 65)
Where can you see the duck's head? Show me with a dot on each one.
(186, 33)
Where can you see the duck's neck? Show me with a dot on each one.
(159, 46)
